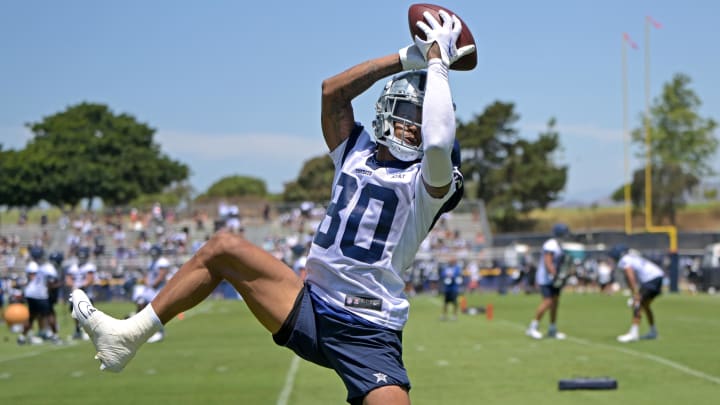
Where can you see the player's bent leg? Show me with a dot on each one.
(389, 394)
(268, 286)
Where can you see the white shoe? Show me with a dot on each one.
(628, 337)
(157, 337)
(556, 335)
(534, 333)
(36, 340)
(115, 340)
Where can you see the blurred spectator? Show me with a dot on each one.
(119, 239)
(233, 221)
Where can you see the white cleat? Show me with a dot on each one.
(115, 340)
(534, 333)
(628, 337)
(159, 336)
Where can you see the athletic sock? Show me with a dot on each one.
(634, 330)
(534, 324)
(145, 323)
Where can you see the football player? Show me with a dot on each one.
(644, 278)
(550, 278)
(452, 281)
(39, 273)
(81, 275)
(155, 278)
(389, 186)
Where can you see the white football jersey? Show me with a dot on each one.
(79, 273)
(154, 272)
(37, 287)
(378, 216)
(644, 269)
(543, 277)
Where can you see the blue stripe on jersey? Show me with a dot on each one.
(352, 140)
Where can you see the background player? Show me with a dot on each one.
(81, 275)
(550, 280)
(451, 276)
(644, 280)
(155, 278)
(39, 273)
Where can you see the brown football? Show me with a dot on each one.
(415, 14)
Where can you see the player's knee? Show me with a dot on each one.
(223, 245)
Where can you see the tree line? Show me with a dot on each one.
(87, 151)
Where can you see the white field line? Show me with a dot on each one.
(289, 381)
(658, 359)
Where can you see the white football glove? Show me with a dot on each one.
(411, 58)
(445, 34)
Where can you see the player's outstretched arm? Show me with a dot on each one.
(337, 117)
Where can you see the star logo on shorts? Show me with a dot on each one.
(380, 377)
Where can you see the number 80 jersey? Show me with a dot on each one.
(378, 215)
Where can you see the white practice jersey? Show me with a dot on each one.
(154, 273)
(378, 216)
(79, 273)
(37, 287)
(644, 269)
(543, 277)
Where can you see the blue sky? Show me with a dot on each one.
(233, 87)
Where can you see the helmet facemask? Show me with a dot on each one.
(400, 102)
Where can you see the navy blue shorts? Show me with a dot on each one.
(451, 296)
(548, 291)
(651, 289)
(365, 356)
(39, 307)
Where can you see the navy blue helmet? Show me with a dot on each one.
(617, 251)
(560, 230)
(37, 252)
(56, 257)
(155, 251)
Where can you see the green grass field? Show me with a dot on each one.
(219, 355)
